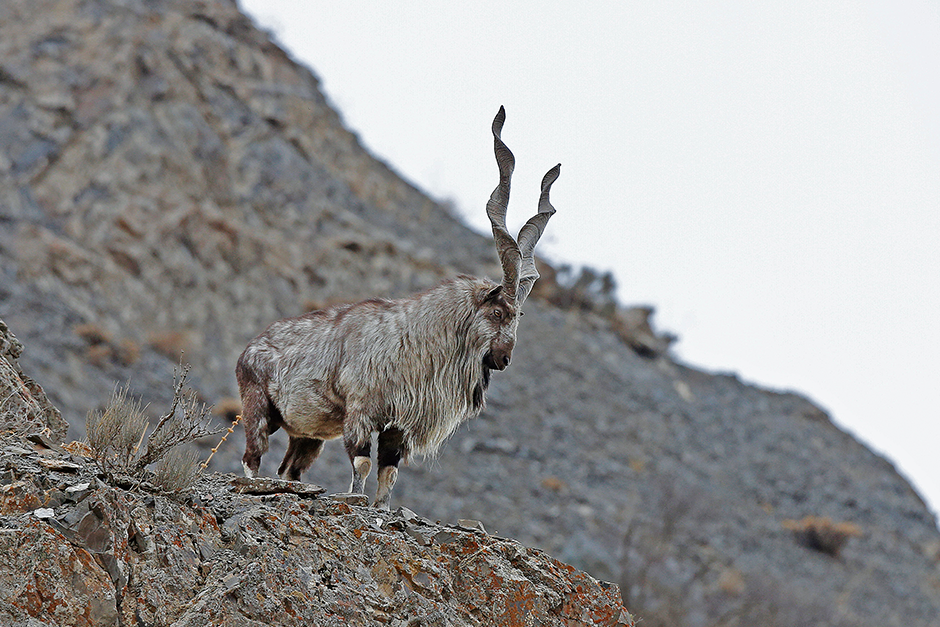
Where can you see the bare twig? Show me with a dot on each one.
(229, 432)
(186, 421)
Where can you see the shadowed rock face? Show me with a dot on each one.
(95, 555)
(170, 181)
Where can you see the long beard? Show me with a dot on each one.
(479, 390)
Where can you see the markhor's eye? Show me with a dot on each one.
(497, 313)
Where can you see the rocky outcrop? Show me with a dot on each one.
(171, 182)
(75, 550)
(24, 407)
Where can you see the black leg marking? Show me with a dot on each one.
(392, 449)
(358, 449)
(260, 418)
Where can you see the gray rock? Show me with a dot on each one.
(471, 524)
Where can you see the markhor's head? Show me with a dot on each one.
(498, 319)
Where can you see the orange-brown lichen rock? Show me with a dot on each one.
(76, 550)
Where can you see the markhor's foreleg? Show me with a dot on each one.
(391, 451)
(359, 456)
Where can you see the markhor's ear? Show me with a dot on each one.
(487, 295)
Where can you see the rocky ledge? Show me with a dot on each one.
(78, 548)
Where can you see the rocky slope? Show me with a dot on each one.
(171, 181)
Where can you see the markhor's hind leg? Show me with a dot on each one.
(391, 451)
(257, 419)
(301, 452)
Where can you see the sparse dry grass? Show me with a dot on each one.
(823, 534)
(177, 470)
(115, 433)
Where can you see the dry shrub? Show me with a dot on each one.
(92, 333)
(187, 421)
(589, 290)
(98, 354)
(170, 343)
(79, 448)
(102, 348)
(585, 290)
(228, 408)
(127, 352)
(637, 464)
(554, 484)
(731, 582)
(822, 534)
(117, 443)
(633, 326)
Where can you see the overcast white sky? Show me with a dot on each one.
(766, 174)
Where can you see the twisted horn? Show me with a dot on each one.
(509, 256)
(516, 258)
(530, 233)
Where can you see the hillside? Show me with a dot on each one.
(171, 181)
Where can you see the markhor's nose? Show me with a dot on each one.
(505, 360)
